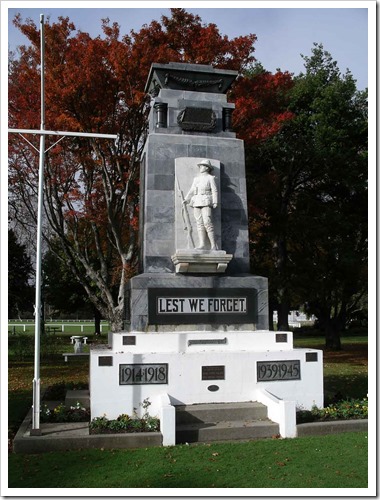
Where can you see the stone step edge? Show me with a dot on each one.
(217, 412)
(219, 406)
(226, 424)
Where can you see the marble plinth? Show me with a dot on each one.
(201, 261)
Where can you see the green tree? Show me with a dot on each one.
(61, 289)
(20, 291)
(309, 192)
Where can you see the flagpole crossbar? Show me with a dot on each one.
(40, 132)
(57, 132)
(30, 144)
(56, 142)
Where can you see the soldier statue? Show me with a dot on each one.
(203, 196)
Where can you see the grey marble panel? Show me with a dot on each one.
(138, 287)
(159, 199)
(160, 182)
(196, 150)
(154, 213)
(159, 231)
(161, 248)
(155, 264)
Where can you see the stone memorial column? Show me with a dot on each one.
(193, 219)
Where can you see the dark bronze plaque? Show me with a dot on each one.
(202, 119)
(105, 361)
(268, 371)
(182, 306)
(143, 373)
(207, 341)
(129, 340)
(213, 372)
(281, 337)
(213, 388)
(311, 356)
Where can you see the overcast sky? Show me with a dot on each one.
(284, 29)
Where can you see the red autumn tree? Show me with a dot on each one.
(96, 85)
(261, 100)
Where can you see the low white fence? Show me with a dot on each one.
(55, 327)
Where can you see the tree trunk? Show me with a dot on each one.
(332, 332)
(282, 316)
(282, 289)
(116, 320)
(97, 318)
(270, 310)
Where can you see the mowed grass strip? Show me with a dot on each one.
(334, 461)
(346, 371)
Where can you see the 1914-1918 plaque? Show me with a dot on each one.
(143, 373)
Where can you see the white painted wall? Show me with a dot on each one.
(185, 385)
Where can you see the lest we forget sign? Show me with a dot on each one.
(184, 306)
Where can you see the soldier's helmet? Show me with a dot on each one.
(206, 163)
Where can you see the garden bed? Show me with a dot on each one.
(53, 411)
(350, 409)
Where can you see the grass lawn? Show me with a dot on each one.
(336, 461)
(69, 326)
(345, 371)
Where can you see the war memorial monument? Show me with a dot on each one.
(196, 333)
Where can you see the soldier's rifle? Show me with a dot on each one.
(185, 218)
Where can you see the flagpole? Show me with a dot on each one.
(38, 308)
(35, 430)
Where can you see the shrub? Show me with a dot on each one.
(21, 346)
(126, 423)
(343, 410)
(62, 413)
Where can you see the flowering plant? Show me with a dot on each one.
(62, 413)
(343, 410)
(126, 423)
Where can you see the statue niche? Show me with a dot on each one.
(198, 217)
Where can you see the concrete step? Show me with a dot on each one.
(217, 412)
(226, 431)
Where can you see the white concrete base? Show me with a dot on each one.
(233, 354)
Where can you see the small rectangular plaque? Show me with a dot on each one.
(278, 370)
(213, 372)
(143, 373)
(198, 115)
(281, 337)
(311, 356)
(105, 361)
(129, 340)
(207, 341)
